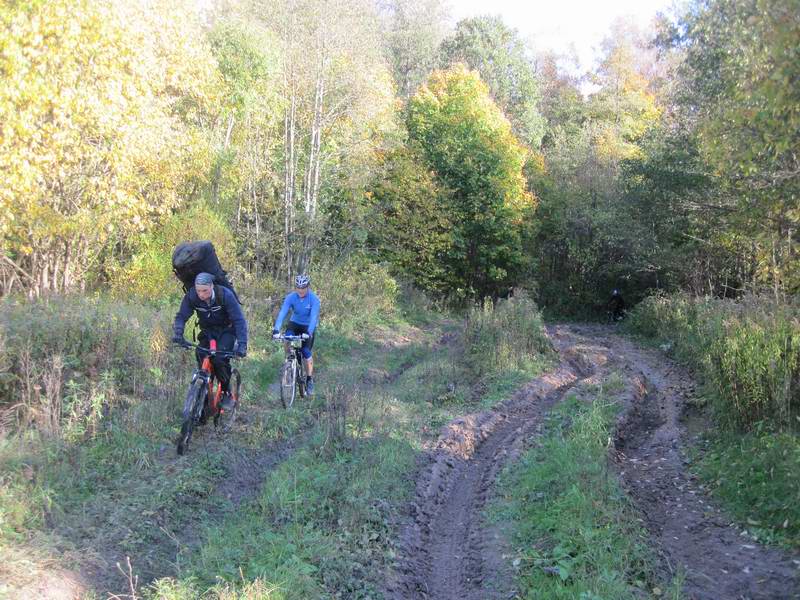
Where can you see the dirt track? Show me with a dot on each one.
(446, 550)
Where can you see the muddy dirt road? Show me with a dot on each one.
(448, 552)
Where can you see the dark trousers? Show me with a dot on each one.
(226, 338)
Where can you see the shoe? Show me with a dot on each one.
(226, 402)
(309, 386)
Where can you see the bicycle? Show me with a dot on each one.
(197, 408)
(293, 370)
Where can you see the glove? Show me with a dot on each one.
(179, 341)
(276, 334)
(304, 336)
(241, 351)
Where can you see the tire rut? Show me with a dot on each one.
(446, 551)
(694, 536)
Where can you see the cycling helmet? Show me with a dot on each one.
(302, 281)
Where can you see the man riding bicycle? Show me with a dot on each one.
(220, 316)
(304, 305)
(616, 306)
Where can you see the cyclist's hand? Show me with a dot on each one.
(179, 341)
(305, 336)
(276, 334)
(241, 351)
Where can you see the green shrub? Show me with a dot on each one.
(748, 350)
(355, 294)
(509, 335)
(148, 274)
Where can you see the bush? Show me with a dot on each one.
(509, 335)
(749, 351)
(65, 359)
(148, 274)
(355, 294)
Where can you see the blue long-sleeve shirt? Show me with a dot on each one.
(305, 311)
(219, 314)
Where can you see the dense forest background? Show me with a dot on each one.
(301, 135)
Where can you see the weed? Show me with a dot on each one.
(755, 475)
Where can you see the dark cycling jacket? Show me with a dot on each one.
(216, 316)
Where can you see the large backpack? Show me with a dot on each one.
(191, 258)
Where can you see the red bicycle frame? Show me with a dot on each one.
(208, 367)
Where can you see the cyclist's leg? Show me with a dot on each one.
(202, 340)
(308, 358)
(222, 365)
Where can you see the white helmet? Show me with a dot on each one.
(302, 281)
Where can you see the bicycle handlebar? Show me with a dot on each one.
(222, 353)
(289, 338)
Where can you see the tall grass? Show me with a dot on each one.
(748, 350)
(507, 336)
(68, 360)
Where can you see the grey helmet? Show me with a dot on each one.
(302, 281)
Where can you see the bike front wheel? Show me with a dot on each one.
(192, 407)
(288, 383)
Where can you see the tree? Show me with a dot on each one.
(739, 90)
(102, 107)
(467, 141)
(337, 93)
(411, 226)
(413, 29)
(487, 45)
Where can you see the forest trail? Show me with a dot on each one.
(448, 551)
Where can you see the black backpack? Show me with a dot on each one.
(191, 258)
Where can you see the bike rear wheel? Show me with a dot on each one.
(288, 383)
(192, 411)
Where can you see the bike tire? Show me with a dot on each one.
(288, 383)
(194, 397)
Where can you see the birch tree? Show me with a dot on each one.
(338, 99)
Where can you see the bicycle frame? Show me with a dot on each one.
(196, 411)
(296, 363)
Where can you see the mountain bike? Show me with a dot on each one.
(293, 370)
(203, 397)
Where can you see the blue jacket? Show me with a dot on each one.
(305, 311)
(216, 316)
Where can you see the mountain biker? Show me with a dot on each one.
(616, 305)
(304, 305)
(220, 316)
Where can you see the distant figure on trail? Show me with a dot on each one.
(304, 305)
(220, 316)
(616, 306)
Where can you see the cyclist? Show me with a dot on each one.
(220, 316)
(616, 305)
(304, 305)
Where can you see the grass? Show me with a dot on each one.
(105, 481)
(573, 529)
(747, 351)
(755, 475)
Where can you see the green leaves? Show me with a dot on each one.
(468, 143)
